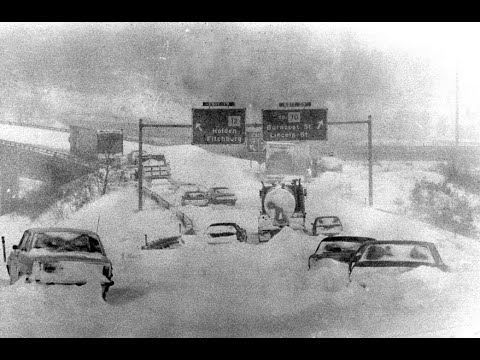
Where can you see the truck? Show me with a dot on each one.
(155, 166)
(282, 204)
(91, 143)
(284, 160)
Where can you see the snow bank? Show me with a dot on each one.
(246, 289)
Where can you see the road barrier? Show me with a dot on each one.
(188, 227)
(52, 128)
(55, 154)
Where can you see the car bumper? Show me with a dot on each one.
(78, 283)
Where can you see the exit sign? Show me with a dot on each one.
(219, 103)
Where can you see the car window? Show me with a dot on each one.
(398, 252)
(222, 191)
(332, 246)
(66, 242)
(221, 229)
(23, 240)
(195, 195)
(28, 243)
(328, 221)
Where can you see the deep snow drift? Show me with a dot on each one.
(244, 289)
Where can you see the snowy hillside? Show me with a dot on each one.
(247, 289)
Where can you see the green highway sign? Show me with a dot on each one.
(218, 126)
(294, 124)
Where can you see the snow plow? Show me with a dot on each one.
(283, 204)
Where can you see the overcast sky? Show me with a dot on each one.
(255, 62)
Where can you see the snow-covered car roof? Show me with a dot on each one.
(224, 224)
(61, 229)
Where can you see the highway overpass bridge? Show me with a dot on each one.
(43, 153)
(53, 167)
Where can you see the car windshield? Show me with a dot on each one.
(337, 246)
(223, 191)
(66, 241)
(398, 253)
(216, 229)
(195, 195)
(221, 230)
(328, 221)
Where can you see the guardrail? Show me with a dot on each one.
(52, 128)
(44, 127)
(184, 219)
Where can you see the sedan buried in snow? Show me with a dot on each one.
(197, 198)
(60, 256)
(392, 257)
(338, 248)
(327, 225)
(223, 233)
(221, 195)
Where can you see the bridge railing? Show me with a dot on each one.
(43, 127)
(52, 153)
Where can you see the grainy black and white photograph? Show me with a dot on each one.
(239, 180)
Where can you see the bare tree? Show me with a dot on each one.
(108, 149)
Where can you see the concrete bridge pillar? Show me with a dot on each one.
(9, 188)
(55, 178)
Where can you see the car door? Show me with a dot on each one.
(14, 258)
(24, 262)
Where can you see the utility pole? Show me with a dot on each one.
(370, 162)
(457, 135)
(140, 165)
(456, 106)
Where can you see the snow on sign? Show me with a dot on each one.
(294, 124)
(218, 126)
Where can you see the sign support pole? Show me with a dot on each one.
(370, 153)
(141, 125)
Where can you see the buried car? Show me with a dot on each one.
(221, 195)
(63, 256)
(327, 225)
(392, 257)
(197, 198)
(223, 233)
(339, 248)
